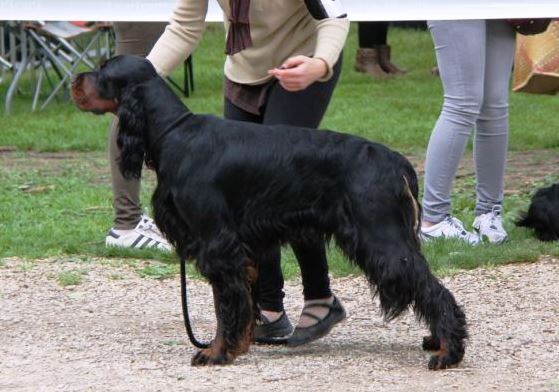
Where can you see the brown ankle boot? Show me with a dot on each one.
(367, 61)
(385, 63)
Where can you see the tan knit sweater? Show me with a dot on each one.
(279, 29)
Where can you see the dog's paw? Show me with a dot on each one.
(443, 361)
(447, 356)
(430, 343)
(208, 357)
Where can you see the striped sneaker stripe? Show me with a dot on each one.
(146, 243)
(137, 240)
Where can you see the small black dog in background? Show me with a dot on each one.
(543, 214)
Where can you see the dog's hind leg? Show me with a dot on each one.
(380, 237)
(435, 304)
(402, 279)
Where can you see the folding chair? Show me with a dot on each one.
(5, 64)
(62, 48)
(16, 56)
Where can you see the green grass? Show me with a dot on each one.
(157, 271)
(58, 207)
(70, 278)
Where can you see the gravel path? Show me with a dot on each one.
(119, 332)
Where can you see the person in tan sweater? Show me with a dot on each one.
(283, 62)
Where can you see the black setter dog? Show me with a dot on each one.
(543, 214)
(228, 191)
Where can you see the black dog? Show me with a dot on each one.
(228, 191)
(543, 214)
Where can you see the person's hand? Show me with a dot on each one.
(299, 72)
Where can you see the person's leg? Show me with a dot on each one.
(126, 192)
(385, 52)
(321, 310)
(270, 278)
(491, 136)
(303, 108)
(274, 322)
(306, 108)
(492, 128)
(370, 35)
(131, 39)
(462, 66)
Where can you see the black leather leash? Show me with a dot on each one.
(185, 315)
(195, 342)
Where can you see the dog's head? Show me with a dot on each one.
(117, 87)
(543, 214)
(104, 90)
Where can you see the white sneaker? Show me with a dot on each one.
(144, 235)
(490, 226)
(450, 227)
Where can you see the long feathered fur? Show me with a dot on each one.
(130, 138)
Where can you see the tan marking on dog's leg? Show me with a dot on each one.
(251, 272)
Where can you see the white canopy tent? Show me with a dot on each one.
(358, 10)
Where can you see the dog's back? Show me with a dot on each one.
(282, 178)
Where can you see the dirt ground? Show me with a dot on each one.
(119, 332)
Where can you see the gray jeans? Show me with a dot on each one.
(137, 39)
(475, 60)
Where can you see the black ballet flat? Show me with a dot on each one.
(274, 332)
(323, 326)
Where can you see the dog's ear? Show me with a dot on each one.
(131, 133)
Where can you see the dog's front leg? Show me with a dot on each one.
(217, 353)
(235, 321)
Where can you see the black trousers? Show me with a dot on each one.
(371, 34)
(304, 108)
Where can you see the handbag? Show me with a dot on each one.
(529, 26)
(536, 62)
